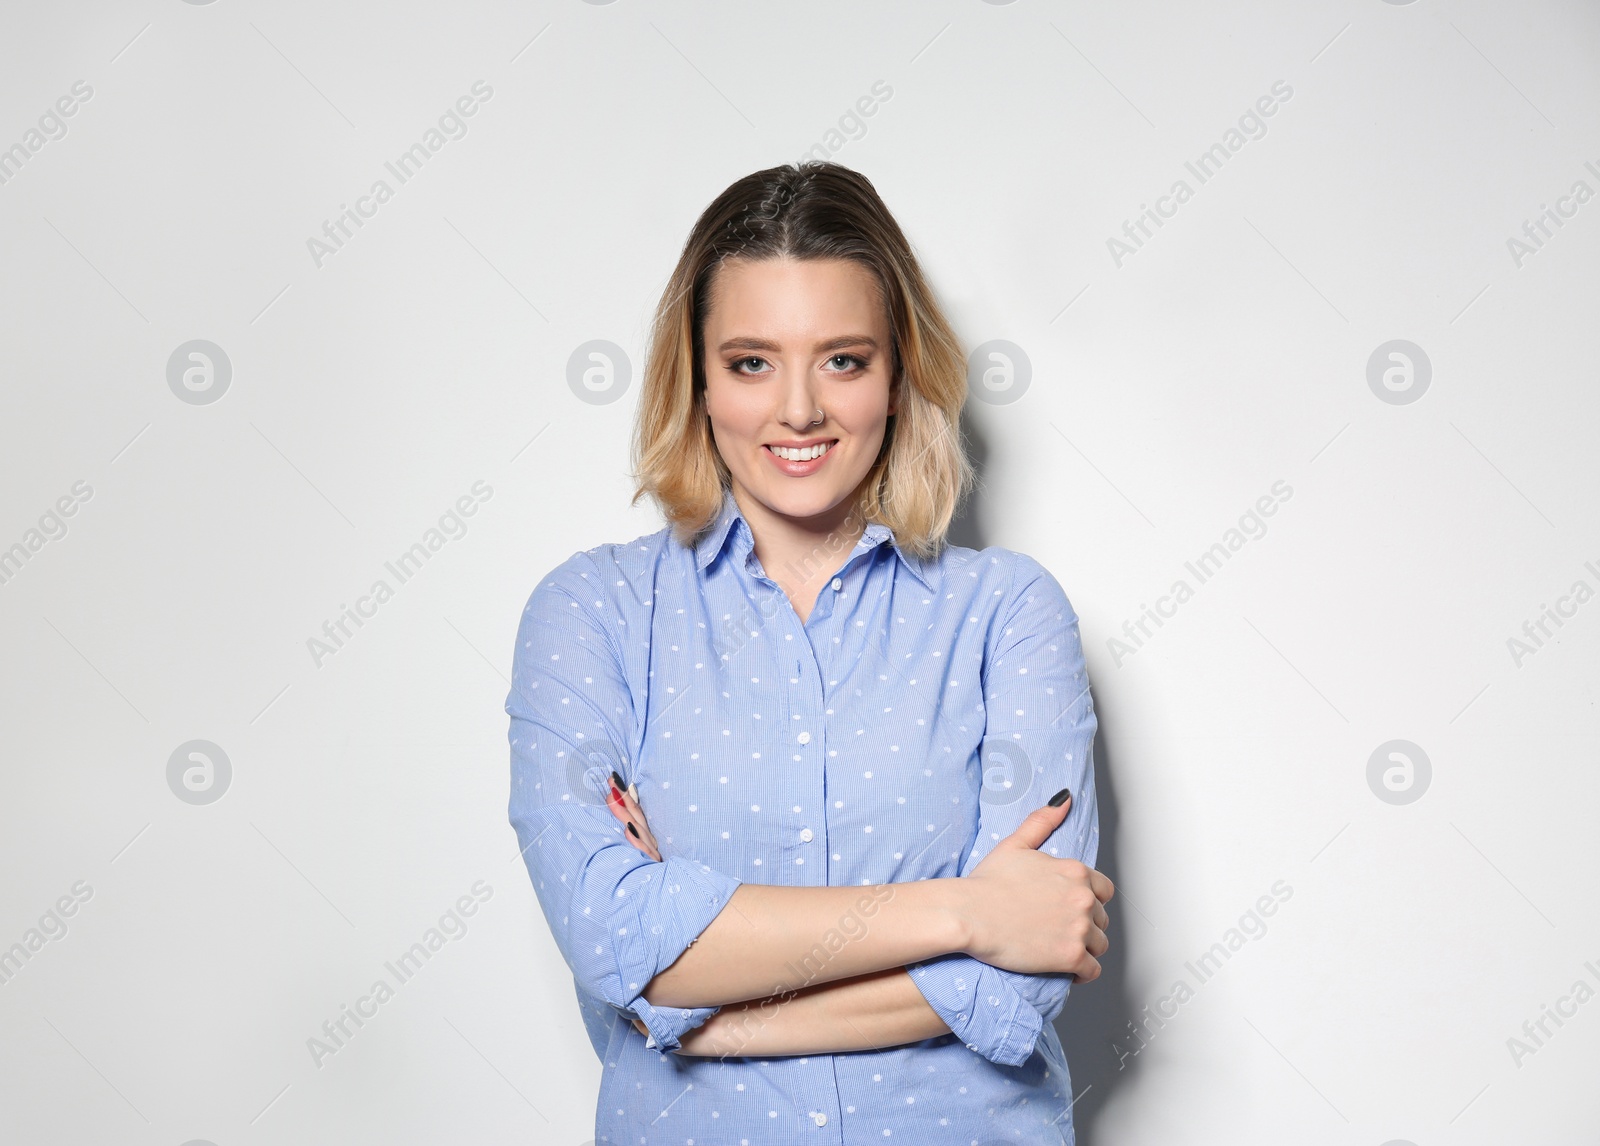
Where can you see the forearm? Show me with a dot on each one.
(865, 1012)
(771, 939)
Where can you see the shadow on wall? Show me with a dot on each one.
(1094, 1023)
(1095, 1020)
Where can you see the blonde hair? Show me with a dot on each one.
(816, 210)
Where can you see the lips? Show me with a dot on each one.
(802, 460)
(805, 453)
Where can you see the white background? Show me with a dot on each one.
(1167, 395)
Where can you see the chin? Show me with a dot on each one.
(802, 504)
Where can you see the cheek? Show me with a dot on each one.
(732, 419)
(864, 417)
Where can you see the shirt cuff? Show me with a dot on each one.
(980, 1007)
(668, 1025)
(661, 909)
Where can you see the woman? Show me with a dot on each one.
(852, 912)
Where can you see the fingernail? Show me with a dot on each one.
(617, 780)
(634, 792)
(1060, 797)
(635, 831)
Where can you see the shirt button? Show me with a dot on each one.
(820, 1118)
(837, 585)
(805, 838)
(804, 738)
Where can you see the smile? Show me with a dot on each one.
(801, 453)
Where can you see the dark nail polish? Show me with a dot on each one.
(1060, 797)
(635, 832)
(617, 780)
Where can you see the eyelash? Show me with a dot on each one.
(733, 367)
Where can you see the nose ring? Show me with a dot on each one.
(818, 420)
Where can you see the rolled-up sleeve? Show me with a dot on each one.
(1038, 738)
(618, 917)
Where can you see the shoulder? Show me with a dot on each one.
(617, 577)
(1008, 581)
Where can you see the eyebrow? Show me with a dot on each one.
(839, 343)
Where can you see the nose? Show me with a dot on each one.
(800, 406)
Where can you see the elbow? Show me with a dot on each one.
(680, 986)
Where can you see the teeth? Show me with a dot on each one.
(801, 455)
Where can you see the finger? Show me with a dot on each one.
(619, 809)
(636, 813)
(1100, 918)
(618, 805)
(1102, 887)
(1037, 825)
(1088, 970)
(1096, 944)
(638, 827)
(634, 840)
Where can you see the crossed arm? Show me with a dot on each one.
(866, 1011)
(656, 939)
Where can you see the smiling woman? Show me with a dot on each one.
(800, 680)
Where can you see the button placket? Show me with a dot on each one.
(806, 708)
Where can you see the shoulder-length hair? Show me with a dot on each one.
(816, 210)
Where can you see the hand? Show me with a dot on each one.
(625, 806)
(1033, 913)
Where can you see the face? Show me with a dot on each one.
(784, 339)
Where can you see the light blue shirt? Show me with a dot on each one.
(911, 722)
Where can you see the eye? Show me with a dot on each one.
(735, 365)
(851, 362)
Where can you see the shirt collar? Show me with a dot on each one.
(730, 523)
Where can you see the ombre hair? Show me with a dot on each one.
(816, 210)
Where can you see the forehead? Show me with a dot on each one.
(799, 296)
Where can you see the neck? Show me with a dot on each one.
(795, 551)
